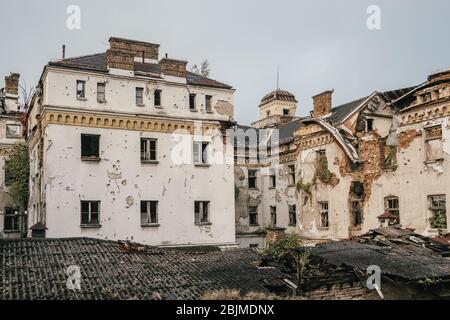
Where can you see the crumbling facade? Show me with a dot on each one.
(378, 161)
(12, 221)
(122, 147)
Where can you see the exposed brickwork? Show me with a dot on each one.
(172, 67)
(120, 60)
(136, 48)
(275, 234)
(322, 103)
(347, 291)
(406, 137)
(12, 83)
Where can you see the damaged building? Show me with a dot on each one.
(12, 217)
(378, 161)
(121, 147)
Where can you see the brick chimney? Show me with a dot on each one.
(172, 67)
(322, 103)
(117, 59)
(12, 84)
(139, 49)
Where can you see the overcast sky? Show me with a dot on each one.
(318, 45)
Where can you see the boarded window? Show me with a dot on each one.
(192, 101)
(433, 143)
(12, 131)
(90, 146)
(101, 92)
(90, 213)
(81, 89)
(200, 152)
(201, 210)
(252, 179)
(438, 211)
(208, 100)
(157, 98)
(273, 216)
(11, 220)
(292, 215)
(148, 149)
(324, 216)
(149, 212)
(139, 96)
(253, 216)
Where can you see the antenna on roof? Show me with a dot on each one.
(278, 77)
(63, 51)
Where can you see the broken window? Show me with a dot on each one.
(357, 189)
(81, 89)
(369, 123)
(101, 92)
(438, 210)
(149, 212)
(321, 158)
(252, 179)
(292, 215)
(201, 212)
(253, 216)
(200, 152)
(11, 220)
(12, 131)
(433, 143)
(148, 149)
(285, 112)
(140, 96)
(391, 205)
(157, 98)
(324, 218)
(273, 216)
(90, 146)
(90, 213)
(9, 176)
(356, 213)
(192, 105)
(291, 168)
(273, 179)
(208, 100)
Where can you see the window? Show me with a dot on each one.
(208, 103)
(253, 216)
(149, 212)
(140, 96)
(356, 214)
(269, 151)
(9, 176)
(12, 131)
(201, 212)
(437, 207)
(148, 149)
(247, 149)
(291, 168)
(369, 123)
(192, 105)
(81, 89)
(157, 98)
(200, 152)
(90, 213)
(252, 179)
(90, 146)
(324, 218)
(321, 158)
(11, 220)
(273, 179)
(273, 216)
(426, 97)
(292, 215)
(285, 112)
(268, 113)
(391, 205)
(101, 95)
(433, 143)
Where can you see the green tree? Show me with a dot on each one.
(19, 167)
(204, 69)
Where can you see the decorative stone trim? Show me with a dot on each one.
(429, 113)
(311, 142)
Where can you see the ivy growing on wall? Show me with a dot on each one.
(19, 168)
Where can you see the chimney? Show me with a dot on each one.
(138, 49)
(322, 104)
(63, 51)
(120, 60)
(172, 67)
(12, 84)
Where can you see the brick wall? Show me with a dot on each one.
(322, 103)
(136, 48)
(12, 83)
(171, 67)
(120, 60)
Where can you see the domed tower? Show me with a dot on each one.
(276, 107)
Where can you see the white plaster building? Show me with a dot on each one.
(116, 143)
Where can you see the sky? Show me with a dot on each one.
(317, 45)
